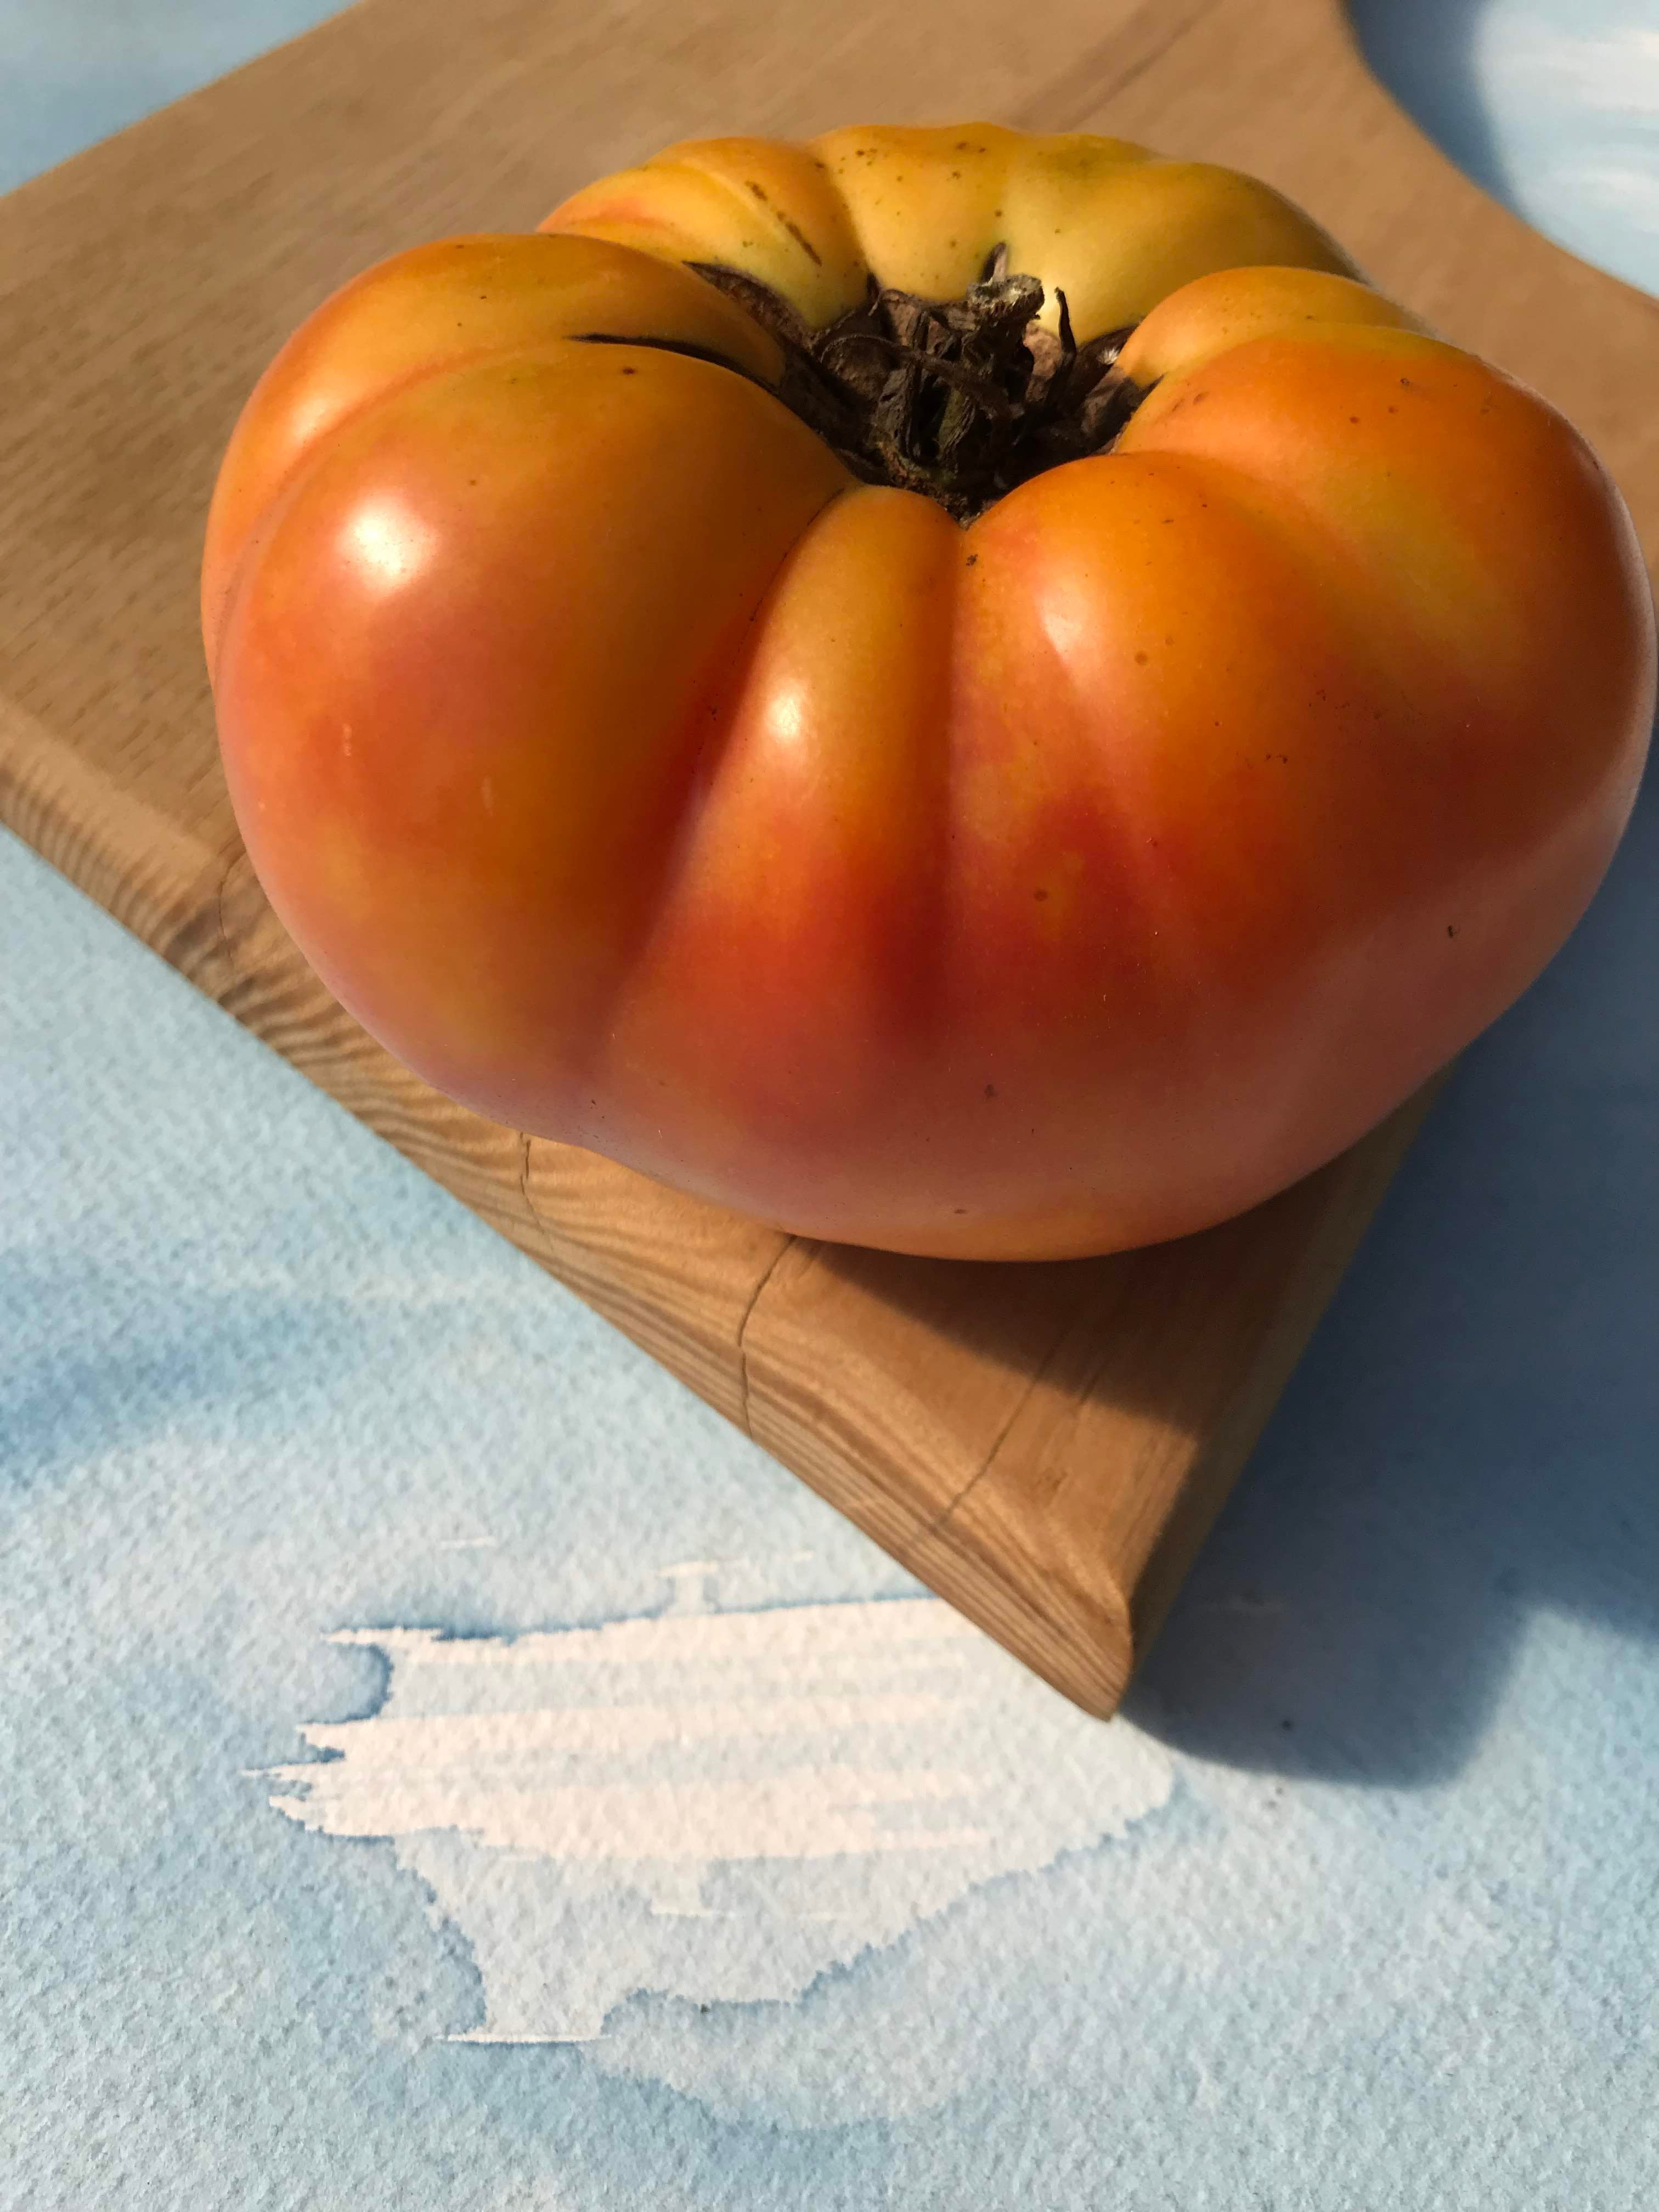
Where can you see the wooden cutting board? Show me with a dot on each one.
(1046, 1444)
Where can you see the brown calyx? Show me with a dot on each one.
(960, 399)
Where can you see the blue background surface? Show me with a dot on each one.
(1356, 1904)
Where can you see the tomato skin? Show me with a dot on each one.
(457, 748)
(1052, 885)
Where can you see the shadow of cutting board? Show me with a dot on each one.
(1046, 1444)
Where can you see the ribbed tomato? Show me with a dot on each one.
(977, 693)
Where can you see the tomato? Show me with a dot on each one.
(1025, 776)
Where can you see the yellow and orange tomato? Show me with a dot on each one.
(1066, 879)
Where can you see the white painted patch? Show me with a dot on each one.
(713, 1806)
(1623, 188)
(1571, 108)
(1609, 72)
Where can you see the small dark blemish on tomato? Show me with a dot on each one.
(973, 560)
(1140, 659)
(1451, 929)
(990, 1090)
(1040, 896)
(801, 240)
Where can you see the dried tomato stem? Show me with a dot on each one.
(960, 399)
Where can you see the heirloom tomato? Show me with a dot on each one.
(979, 693)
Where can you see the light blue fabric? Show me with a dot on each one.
(422, 1722)
(1552, 104)
(72, 71)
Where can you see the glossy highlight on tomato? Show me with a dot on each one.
(687, 699)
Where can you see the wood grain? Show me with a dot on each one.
(1043, 1444)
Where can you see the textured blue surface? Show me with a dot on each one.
(72, 71)
(1353, 1908)
(1552, 104)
